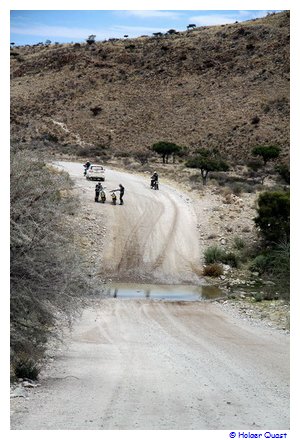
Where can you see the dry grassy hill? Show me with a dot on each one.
(224, 86)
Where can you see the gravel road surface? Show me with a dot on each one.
(145, 364)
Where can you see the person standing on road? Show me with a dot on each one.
(121, 189)
(86, 167)
(98, 188)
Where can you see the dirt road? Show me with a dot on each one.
(153, 236)
(144, 364)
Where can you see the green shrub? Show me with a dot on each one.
(231, 259)
(266, 152)
(214, 254)
(258, 296)
(260, 264)
(274, 216)
(279, 265)
(213, 270)
(239, 243)
(275, 264)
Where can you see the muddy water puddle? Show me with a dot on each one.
(163, 292)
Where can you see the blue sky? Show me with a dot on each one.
(33, 26)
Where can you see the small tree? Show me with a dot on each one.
(91, 39)
(47, 42)
(274, 216)
(191, 26)
(165, 149)
(172, 32)
(96, 110)
(207, 160)
(267, 153)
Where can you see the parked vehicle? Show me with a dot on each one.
(95, 172)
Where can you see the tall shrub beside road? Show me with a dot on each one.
(46, 276)
(273, 217)
(273, 221)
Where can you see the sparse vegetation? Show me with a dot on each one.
(274, 263)
(187, 89)
(206, 161)
(120, 76)
(46, 272)
(239, 243)
(267, 153)
(26, 368)
(213, 270)
(273, 218)
(91, 39)
(96, 110)
(284, 172)
(213, 254)
(166, 149)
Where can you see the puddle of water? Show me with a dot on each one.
(163, 292)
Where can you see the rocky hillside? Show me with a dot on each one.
(225, 86)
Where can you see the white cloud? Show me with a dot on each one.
(154, 14)
(137, 30)
(211, 20)
(56, 31)
(252, 14)
(117, 31)
(230, 17)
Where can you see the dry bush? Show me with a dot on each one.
(213, 270)
(46, 273)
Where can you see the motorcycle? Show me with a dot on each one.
(113, 198)
(154, 184)
(102, 196)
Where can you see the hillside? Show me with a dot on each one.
(222, 86)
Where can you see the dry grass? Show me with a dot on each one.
(202, 87)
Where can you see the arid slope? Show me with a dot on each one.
(220, 86)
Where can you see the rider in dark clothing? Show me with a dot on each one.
(121, 190)
(86, 167)
(154, 178)
(98, 188)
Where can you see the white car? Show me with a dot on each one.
(95, 172)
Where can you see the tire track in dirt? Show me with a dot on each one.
(145, 364)
(134, 247)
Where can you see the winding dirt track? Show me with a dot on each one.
(142, 364)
